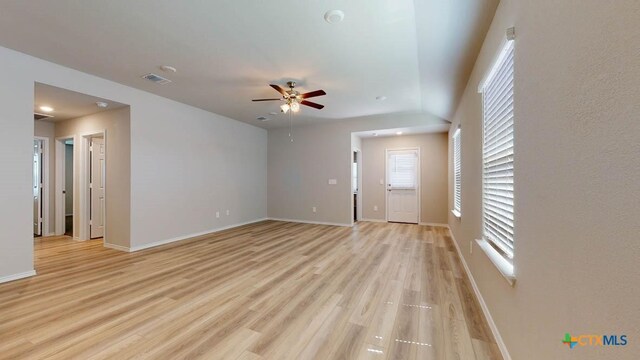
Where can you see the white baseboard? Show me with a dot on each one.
(19, 276)
(186, 237)
(374, 220)
(483, 305)
(422, 223)
(309, 222)
(434, 224)
(116, 247)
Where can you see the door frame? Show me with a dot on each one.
(386, 179)
(45, 231)
(359, 195)
(84, 195)
(61, 211)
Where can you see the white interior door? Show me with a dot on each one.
(37, 187)
(97, 188)
(402, 185)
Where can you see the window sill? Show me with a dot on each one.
(504, 267)
(456, 214)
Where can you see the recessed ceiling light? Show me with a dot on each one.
(102, 104)
(333, 16)
(46, 108)
(168, 68)
(381, 98)
(399, 133)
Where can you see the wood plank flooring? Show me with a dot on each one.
(271, 290)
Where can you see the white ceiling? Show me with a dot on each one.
(68, 104)
(227, 52)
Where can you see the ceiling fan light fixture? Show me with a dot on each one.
(295, 106)
(284, 108)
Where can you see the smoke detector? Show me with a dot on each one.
(334, 16)
(102, 104)
(168, 68)
(156, 79)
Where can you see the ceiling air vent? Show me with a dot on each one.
(262, 118)
(156, 79)
(37, 116)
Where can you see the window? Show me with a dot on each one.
(457, 175)
(498, 154)
(403, 170)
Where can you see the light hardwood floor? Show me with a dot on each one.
(271, 290)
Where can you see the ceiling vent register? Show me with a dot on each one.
(156, 79)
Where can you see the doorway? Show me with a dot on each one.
(38, 187)
(403, 190)
(65, 170)
(68, 187)
(356, 183)
(97, 175)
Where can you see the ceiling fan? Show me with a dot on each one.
(293, 99)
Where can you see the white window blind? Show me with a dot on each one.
(457, 173)
(498, 154)
(403, 170)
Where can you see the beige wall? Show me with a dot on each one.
(299, 171)
(116, 124)
(174, 193)
(46, 129)
(433, 175)
(577, 194)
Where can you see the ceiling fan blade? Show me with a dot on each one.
(313, 94)
(312, 104)
(265, 99)
(279, 89)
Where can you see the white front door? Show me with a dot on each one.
(402, 185)
(37, 187)
(97, 188)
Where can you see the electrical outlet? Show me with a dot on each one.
(314, 209)
(470, 246)
(227, 212)
(375, 207)
(217, 214)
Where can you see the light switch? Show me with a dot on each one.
(375, 208)
(381, 181)
(333, 181)
(217, 214)
(314, 209)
